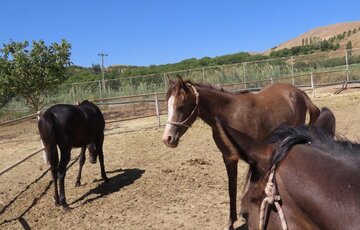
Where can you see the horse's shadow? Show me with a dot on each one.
(124, 178)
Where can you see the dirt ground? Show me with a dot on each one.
(151, 186)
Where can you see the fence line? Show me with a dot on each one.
(20, 161)
(18, 119)
(312, 86)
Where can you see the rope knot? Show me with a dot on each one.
(271, 198)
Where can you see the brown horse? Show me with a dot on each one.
(315, 177)
(254, 114)
(68, 126)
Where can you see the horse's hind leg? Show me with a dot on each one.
(99, 148)
(64, 160)
(81, 164)
(54, 161)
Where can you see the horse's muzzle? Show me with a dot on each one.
(92, 160)
(170, 142)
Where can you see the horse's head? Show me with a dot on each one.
(92, 153)
(182, 101)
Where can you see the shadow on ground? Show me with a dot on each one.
(125, 177)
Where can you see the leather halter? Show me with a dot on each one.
(196, 108)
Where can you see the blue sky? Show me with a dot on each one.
(145, 32)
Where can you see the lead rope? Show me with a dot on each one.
(196, 108)
(271, 198)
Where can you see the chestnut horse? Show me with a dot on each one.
(254, 114)
(314, 178)
(68, 126)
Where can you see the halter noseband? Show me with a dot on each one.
(196, 108)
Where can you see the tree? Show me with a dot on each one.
(32, 73)
(96, 68)
(349, 47)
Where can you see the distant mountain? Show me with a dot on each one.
(341, 33)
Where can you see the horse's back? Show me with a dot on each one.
(75, 125)
(276, 105)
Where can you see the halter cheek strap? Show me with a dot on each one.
(196, 108)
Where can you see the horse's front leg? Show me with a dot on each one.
(64, 160)
(82, 159)
(231, 169)
(231, 158)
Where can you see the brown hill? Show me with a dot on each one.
(326, 32)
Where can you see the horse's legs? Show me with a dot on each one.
(231, 160)
(231, 169)
(99, 148)
(54, 161)
(81, 164)
(64, 160)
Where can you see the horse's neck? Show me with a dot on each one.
(212, 103)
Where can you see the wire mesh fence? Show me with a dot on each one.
(326, 68)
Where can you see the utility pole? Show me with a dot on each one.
(102, 69)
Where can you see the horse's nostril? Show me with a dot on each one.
(169, 139)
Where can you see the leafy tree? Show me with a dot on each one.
(96, 68)
(31, 73)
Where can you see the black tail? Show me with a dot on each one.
(46, 128)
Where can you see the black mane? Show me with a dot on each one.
(287, 137)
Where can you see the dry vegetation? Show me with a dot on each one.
(326, 32)
(151, 187)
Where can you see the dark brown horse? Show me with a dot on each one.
(254, 114)
(67, 126)
(316, 177)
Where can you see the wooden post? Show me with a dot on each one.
(157, 108)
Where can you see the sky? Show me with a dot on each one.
(153, 32)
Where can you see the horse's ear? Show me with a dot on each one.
(180, 81)
(326, 122)
(171, 82)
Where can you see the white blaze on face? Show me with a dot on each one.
(170, 115)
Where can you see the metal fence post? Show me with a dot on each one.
(312, 84)
(244, 73)
(73, 92)
(165, 82)
(347, 64)
(157, 108)
(100, 90)
(203, 75)
(292, 70)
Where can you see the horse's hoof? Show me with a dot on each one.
(56, 202)
(106, 179)
(66, 208)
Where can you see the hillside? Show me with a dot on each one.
(326, 32)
